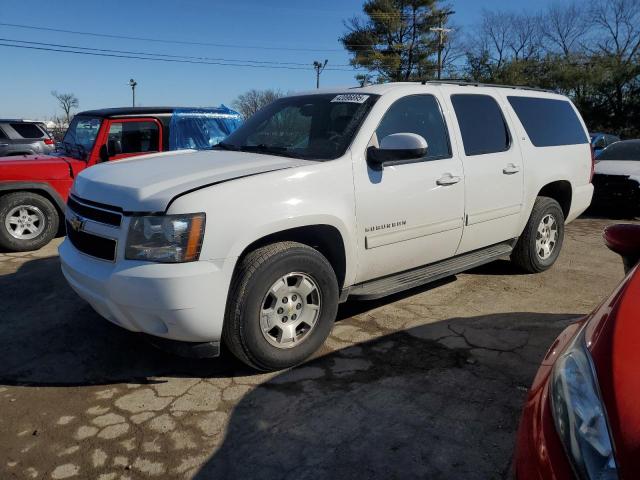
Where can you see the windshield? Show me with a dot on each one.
(314, 127)
(629, 150)
(81, 136)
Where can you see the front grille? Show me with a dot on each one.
(96, 214)
(99, 247)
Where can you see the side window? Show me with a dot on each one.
(419, 114)
(27, 130)
(3, 136)
(133, 137)
(550, 122)
(482, 124)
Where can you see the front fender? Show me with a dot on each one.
(243, 211)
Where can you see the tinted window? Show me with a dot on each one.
(418, 114)
(27, 130)
(549, 122)
(481, 123)
(3, 136)
(629, 150)
(134, 137)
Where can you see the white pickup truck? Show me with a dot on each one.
(322, 196)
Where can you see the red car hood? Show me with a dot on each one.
(613, 337)
(36, 167)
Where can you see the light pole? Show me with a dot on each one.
(441, 32)
(319, 67)
(132, 84)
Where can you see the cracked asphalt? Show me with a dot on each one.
(425, 384)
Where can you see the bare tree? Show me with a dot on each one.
(564, 26)
(496, 32)
(618, 25)
(524, 41)
(253, 100)
(67, 101)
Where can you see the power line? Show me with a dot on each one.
(113, 54)
(129, 52)
(161, 40)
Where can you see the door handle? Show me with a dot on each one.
(448, 179)
(510, 169)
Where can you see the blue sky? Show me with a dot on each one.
(30, 75)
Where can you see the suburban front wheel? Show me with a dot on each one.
(539, 245)
(28, 221)
(282, 304)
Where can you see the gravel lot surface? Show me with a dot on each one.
(425, 384)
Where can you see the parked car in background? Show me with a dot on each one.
(617, 178)
(600, 141)
(582, 416)
(22, 137)
(34, 188)
(362, 193)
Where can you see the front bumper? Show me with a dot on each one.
(184, 301)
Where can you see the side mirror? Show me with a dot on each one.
(600, 143)
(624, 239)
(397, 148)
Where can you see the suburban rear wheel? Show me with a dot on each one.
(282, 304)
(539, 245)
(28, 221)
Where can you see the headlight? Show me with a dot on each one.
(580, 416)
(165, 238)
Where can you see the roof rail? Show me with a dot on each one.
(480, 84)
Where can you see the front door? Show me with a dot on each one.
(411, 214)
(133, 136)
(493, 171)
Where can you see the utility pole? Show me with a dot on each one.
(441, 33)
(319, 67)
(133, 84)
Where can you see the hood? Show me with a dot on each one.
(613, 337)
(629, 168)
(149, 183)
(34, 167)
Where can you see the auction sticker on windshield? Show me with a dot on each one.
(350, 98)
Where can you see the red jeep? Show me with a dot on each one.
(34, 188)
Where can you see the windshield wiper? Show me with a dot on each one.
(271, 149)
(226, 146)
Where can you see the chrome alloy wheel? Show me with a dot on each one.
(25, 222)
(290, 310)
(546, 236)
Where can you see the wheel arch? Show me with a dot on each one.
(325, 238)
(41, 189)
(561, 191)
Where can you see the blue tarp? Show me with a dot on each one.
(201, 128)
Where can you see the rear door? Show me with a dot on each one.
(492, 167)
(129, 137)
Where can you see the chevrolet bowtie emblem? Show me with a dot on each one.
(77, 223)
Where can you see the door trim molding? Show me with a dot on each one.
(493, 214)
(388, 238)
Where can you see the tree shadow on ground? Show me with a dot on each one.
(436, 401)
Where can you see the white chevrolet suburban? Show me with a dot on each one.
(321, 196)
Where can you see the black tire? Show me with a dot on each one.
(50, 217)
(252, 280)
(525, 254)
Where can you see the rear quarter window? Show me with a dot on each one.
(27, 130)
(549, 122)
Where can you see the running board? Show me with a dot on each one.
(398, 282)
